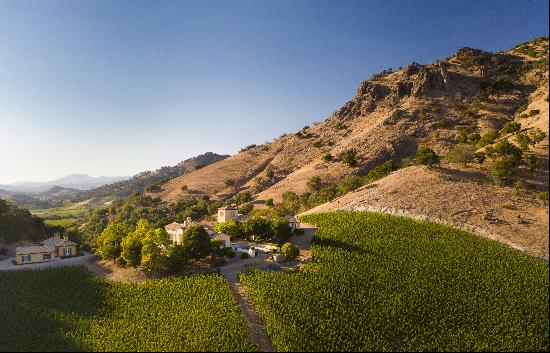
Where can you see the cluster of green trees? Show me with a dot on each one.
(505, 156)
(276, 229)
(320, 191)
(151, 248)
(137, 207)
(19, 224)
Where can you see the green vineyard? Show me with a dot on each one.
(68, 309)
(385, 283)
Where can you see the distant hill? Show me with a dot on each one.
(139, 182)
(73, 181)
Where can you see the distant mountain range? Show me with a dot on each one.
(73, 181)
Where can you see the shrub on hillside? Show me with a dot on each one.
(349, 158)
(523, 141)
(502, 170)
(314, 183)
(536, 136)
(480, 157)
(462, 153)
(381, 170)
(327, 157)
(426, 156)
(503, 148)
(510, 128)
(249, 147)
(532, 162)
(488, 138)
(543, 196)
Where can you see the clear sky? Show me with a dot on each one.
(119, 87)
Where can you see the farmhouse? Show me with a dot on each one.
(51, 249)
(175, 231)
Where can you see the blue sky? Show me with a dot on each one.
(119, 87)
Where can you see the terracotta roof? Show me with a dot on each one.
(33, 249)
(57, 241)
(174, 226)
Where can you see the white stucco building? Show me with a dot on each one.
(227, 213)
(175, 231)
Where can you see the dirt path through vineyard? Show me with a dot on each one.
(256, 330)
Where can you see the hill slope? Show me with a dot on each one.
(140, 181)
(390, 115)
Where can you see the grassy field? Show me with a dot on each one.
(68, 309)
(60, 216)
(379, 282)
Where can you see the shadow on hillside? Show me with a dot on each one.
(463, 175)
(37, 305)
(538, 180)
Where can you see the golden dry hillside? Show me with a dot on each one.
(391, 114)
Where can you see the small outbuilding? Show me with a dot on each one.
(52, 248)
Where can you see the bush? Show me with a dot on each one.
(532, 162)
(533, 112)
(350, 183)
(480, 157)
(314, 183)
(381, 170)
(510, 128)
(521, 109)
(426, 156)
(244, 255)
(463, 135)
(269, 173)
(523, 141)
(503, 148)
(349, 158)
(327, 157)
(503, 170)
(536, 136)
(488, 138)
(229, 252)
(229, 182)
(462, 153)
(269, 202)
(247, 148)
(543, 196)
(184, 188)
(290, 251)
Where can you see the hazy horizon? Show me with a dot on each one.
(116, 88)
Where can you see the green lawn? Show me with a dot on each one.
(68, 309)
(379, 282)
